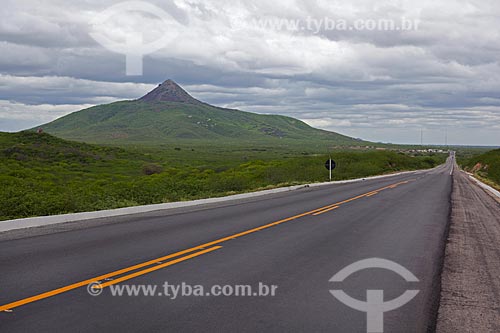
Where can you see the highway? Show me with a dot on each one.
(295, 240)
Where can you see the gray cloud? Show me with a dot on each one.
(379, 85)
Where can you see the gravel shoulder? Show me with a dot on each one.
(470, 285)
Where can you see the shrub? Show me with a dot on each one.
(151, 169)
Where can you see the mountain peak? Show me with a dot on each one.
(169, 91)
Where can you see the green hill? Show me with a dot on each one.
(44, 149)
(169, 114)
(486, 165)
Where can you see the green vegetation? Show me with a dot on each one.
(157, 123)
(44, 175)
(486, 166)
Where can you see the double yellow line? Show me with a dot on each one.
(156, 264)
(84, 283)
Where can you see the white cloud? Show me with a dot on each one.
(17, 116)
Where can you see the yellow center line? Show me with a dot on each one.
(176, 254)
(368, 194)
(326, 210)
(155, 268)
(86, 282)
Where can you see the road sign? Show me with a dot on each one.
(330, 164)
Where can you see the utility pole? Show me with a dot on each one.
(422, 137)
(446, 138)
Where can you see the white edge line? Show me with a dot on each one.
(39, 221)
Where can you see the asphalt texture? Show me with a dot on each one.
(470, 297)
(405, 220)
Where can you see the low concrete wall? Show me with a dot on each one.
(487, 187)
(55, 219)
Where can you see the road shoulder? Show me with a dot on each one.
(470, 286)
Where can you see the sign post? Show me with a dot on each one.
(330, 169)
(330, 165)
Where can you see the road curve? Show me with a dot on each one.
(296, 241)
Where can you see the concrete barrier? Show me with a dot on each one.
(31, 222)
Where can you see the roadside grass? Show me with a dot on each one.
(43, 175)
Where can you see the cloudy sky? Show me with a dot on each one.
(337, 65)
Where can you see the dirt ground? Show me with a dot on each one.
(470, 296)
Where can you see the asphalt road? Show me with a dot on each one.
(280, 239)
